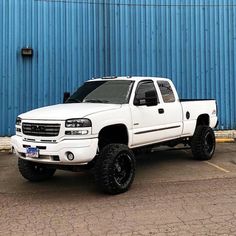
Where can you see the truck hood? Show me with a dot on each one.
(67, 111)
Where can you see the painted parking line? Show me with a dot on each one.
(217, 167)
(225, 140)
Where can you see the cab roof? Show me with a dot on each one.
(131, 78)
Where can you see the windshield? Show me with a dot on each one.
(107, 91)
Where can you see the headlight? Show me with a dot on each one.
(18, 121)
(76, 123)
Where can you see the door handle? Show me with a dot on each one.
(161, 110)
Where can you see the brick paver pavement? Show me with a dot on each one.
(196, 208)
(70, 204)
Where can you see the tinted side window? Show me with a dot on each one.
(143, 87)
(166, 91)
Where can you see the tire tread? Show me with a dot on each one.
(103, 168)
(26, 169)
(197, 145)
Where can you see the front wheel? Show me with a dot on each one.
(115, 168)
(203, 143)
(33, 171)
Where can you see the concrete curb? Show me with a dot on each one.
(225, 140)
(222, 136)
(5, 144)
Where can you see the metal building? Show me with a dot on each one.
(193, 42)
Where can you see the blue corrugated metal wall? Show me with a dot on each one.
(191, 41)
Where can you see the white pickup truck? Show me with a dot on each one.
(104, 122)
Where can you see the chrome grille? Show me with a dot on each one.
(44, 130)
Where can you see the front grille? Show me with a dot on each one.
(43, 130)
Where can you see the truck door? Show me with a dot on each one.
(155, 123)
(172, 109)
(152, 123)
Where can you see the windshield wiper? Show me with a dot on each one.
(96, 101)
(74, 100)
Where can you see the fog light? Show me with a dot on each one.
(70, 156)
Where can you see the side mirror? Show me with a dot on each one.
(150, 99)
(139, 101)
(66, 96)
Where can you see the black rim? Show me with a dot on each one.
(209, 143)
(123, 169)
(37, 168)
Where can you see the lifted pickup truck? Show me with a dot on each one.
(104, 122)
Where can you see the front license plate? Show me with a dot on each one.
(32, 152)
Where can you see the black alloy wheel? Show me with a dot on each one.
(123, 169)
(115, 169)
(33, 171)
(209, 143)
(203, 143)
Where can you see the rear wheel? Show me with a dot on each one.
(203, 143)
(115, 168)
(33, 171)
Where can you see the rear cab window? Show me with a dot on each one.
(166, 91)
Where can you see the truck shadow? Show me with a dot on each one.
(157, 156)
(65, 182)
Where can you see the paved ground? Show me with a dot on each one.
(171, 195)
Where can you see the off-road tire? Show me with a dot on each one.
(115, 161)
(34, 172)
(203, 143)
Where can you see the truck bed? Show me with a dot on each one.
(192, 108)
(195, 100)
